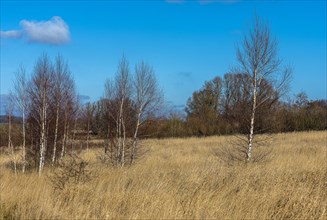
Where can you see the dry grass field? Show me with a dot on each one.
(182, 179)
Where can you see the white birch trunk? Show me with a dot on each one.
(64, 138)
(88, 133)
(254, 102)
(120, 124)
(42, 136)
(135, 137)
(24, 141)
(74, 134)
(123, 144)
(56, 134)
(117, 138)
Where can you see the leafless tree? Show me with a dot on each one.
(39, 92)
(147, 97)
(129, 102)
(61, 74)
(108, 102)
(123, 91)
(257, 57)
(69, 109)
(20, 99)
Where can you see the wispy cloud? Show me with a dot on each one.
(53, 31)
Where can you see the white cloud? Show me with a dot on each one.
(11, 34)
(53, 31)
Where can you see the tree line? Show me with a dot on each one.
(210, 113)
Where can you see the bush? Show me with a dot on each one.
(71, 171)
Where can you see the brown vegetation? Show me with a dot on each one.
(179, 179)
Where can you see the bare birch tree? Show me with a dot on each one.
(69, 108)
(117, 106)
(20, 100)
(257, 57)
(123, 90)
(147, 98)
(109, 95)
(129, 101)
(60, 74)
(39, 91)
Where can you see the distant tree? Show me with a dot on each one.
(301, 100)
(175, 125)
(77, 115)
(257, 57)
(88, 113)
(236, 101)
(317, 111)
(307, 115)
(203, 109)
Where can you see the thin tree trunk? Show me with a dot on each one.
(117, 138)
(55, 135)
(88, 134)
(254, 102)
(42, 149)
(67, 138)
(74, 134)
(64, 138)
(135, 138)
(43, 130)
(120, 124)
(106, 147)
(24, 142)
(123, 144)
(42, 145)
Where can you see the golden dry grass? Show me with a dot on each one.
(182, 179)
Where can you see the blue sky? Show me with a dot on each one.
(187, 42)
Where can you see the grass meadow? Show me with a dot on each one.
(181, 179)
